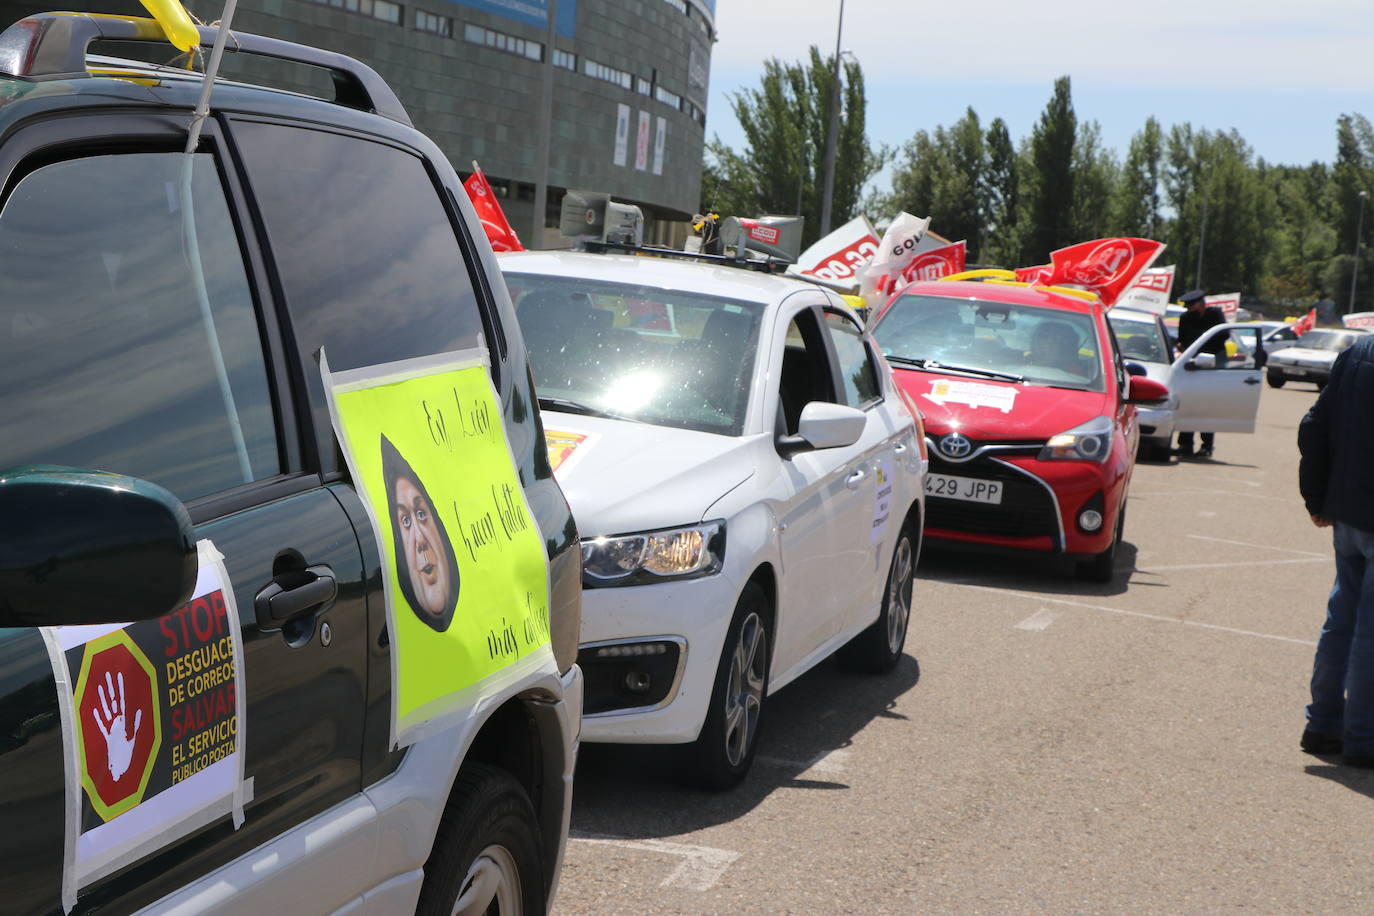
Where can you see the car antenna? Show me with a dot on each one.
(212, 69)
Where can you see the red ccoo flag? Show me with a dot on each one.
(936, 263)
(1305, 323)
(1035, 274)
(499, 232)
(1108, 267)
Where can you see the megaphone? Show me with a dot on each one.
(775, 236)
(593, 215)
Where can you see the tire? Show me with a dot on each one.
(878, 649)
(487, 856)
(1102, 567)
(721, 756)
(1274, 379)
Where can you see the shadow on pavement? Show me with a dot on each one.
(629, 791)
(1050, 575)
(1356, 780)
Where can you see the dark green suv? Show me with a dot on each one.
(288, 600)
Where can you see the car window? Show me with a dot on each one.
(806, 375)
(128, 336)
(369, 262)
(857, 372)
(1045, 346)
(662, 356)
(1140, 340)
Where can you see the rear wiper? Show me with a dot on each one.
(935, 364)
(567, 405)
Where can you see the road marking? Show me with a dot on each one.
(1039, 621)
(1235, 565)
(1305, 553)
(701, 866)
(828, 763)
(1124, 613)
(1294, 500)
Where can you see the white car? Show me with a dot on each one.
(747, 482)
(1310, 358)
(1200, 398)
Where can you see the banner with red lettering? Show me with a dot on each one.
(1037, 274)
(1150, 292)
(499, 232)
(1305, 323)
(1107, 267)
(153, 727)
(1229, 303)
(835, 260)
(1358, 320)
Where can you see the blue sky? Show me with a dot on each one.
(1280, 73)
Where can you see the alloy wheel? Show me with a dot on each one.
(744, 690)
(493, 879)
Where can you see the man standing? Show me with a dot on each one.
(1336, 440)
(1192, 324)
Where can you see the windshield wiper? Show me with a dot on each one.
(936, 365)
(567, 405)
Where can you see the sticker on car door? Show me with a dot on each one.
(153, 723)
(882, 500)
(463, 562)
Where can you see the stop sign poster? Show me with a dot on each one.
(153, 728)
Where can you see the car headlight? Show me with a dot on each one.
(652, 556)
(1092, 441)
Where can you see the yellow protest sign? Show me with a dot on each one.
(463, 562)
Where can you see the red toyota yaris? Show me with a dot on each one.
(1029, 414)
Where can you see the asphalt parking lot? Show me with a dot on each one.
(1046, 746)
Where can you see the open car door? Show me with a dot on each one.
(1219, 398)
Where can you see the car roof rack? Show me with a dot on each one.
(52, 46)
(770, 266)
(1004, 277)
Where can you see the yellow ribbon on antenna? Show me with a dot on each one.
(175, 22)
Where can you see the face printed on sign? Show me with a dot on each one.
(426, 568)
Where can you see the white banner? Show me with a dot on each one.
(836, 259)
(899, 246)
(642, 142)
(1150, 292)
(622, 133)
(1227, 302)
(660, 135)
(1358, 320)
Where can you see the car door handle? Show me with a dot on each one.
(899, 448)
(294, 593)
(1251, 380)
(853, 480)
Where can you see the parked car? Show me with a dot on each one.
(1030, 416)
(747, 480)
(1310, 358)
(212, 694)
(1227, 402)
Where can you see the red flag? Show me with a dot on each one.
(1108, 267)
(499, 232)
(1033, 274)
(936, 263)
(1305, 323)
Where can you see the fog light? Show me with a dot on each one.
(1090, 520)
(638, 681)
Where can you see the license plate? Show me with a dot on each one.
(966, 488)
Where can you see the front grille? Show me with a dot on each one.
(1027, 509)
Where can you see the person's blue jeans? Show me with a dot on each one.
(1343, 672)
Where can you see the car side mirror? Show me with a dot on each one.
(824, 425)
(1146, 392)
(1135, 369)
(88, 547)
(1191, 366)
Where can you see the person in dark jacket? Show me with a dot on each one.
(1336, 479)
(1192, 324)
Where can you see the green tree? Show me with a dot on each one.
(1352, 176)
(942, 175)
(1095, 172)
(1136, 202)
(781, 168)
(1048, 185)
(1001, 191)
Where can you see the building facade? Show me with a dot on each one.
(629, 82)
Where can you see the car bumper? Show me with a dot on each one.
(1301, 373)
(1156, 422)
(693, 616)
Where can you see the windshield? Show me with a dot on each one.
(1327, 340)
(661, 356)
(1038, 345)
(1139, 339)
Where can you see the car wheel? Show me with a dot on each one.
(1274, 379)
(1102, 567)
(721, 756)
(878, 649)
(486, 858)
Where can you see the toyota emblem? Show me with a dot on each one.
(955, 445)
